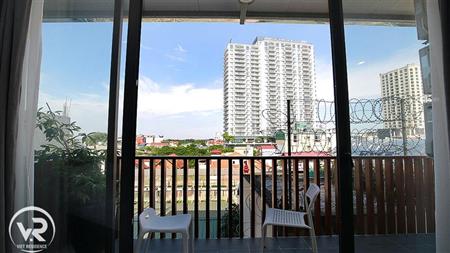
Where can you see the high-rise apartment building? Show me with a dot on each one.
(402, 99)
(259, 78)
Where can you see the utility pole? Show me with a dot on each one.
(402, 113)
(289, 126)
(289, 151)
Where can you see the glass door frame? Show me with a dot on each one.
(111, 149)
(344, 159)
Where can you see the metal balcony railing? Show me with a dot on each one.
(228, 195)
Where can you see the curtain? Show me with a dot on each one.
(14, 21)
(24, 153)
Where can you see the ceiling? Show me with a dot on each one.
(391, 11)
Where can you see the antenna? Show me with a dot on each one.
(66, 107)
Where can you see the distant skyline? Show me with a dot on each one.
(181, 68)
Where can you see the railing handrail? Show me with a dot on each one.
(233, 157)
(268, 157)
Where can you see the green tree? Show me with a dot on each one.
(227, 137)
(67, 156)
(222, 148)
(96, 138)
(234, 222)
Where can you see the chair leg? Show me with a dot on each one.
(264, 234)
(191, 237)
(313, 239)
(186, 242)
(140, 239)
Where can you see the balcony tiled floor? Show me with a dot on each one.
(326, 244)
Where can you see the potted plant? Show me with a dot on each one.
(70, 181)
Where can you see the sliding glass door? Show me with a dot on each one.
(63, 129)
(392, 99)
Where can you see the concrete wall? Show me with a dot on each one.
(440, 133)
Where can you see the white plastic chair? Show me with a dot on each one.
(149, 223)
(287, 218)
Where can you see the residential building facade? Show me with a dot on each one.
(402, 100)
(259, 78)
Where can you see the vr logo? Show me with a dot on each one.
(35, 239)
(35, 232)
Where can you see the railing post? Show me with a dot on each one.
(285, 184)
(207, 216)
(241, 198)
(230, 197)
(196, 199)
(185, 186)
(359, 199)
(327, 183)
(305, 174)
(151, 184)
(162, 191)
(219, 198)
(400, 195)
(252, 197)
(174, 190)
(263, 190)
(420, 191)
(140, 186)
(289, 195)
(274, 192)
(317, 206)
(390, 197)
(381, 211)
(369, 195)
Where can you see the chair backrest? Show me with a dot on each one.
(311, 196)
(148, 213)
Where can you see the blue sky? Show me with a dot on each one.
(181, 68)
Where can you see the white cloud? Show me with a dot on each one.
(324, 80)
(90, 111)
(180, 49)
(176, 58)
(145, 47)
(364, 80)
(177, 54)
(179, 111)
(177, 99)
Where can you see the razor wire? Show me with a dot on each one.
(377, 126)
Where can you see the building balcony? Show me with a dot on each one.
(244, 187)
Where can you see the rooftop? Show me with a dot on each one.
(262, 38)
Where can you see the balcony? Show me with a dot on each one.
(393, 197)
(371, 244)
(397, 204)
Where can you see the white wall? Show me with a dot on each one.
(440, 133)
